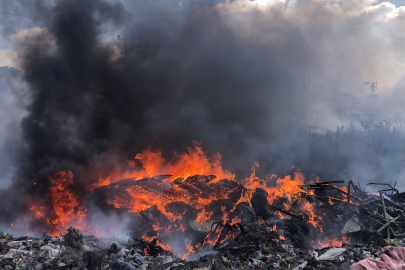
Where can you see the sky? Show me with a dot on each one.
(397, 3)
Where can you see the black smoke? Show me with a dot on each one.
(187, 76)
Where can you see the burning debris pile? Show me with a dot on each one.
(202, 222)
(193, 72)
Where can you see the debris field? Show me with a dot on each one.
(343, 226)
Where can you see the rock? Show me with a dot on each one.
(38, 266)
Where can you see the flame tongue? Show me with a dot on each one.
(194, 162)
(61, 208)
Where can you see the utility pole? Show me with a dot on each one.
(373, 88)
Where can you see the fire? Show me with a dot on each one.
(272, 228)
(194, 162)
(331, 242)
(68, 209)
(190, 249)
(64, 206)
(285, 188)
(281, 216)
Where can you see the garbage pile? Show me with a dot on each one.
(356, 230)
(259, 248)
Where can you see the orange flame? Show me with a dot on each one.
(194, 162)
(331, 242)
(68, 209)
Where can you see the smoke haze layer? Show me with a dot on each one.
(244, 78)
